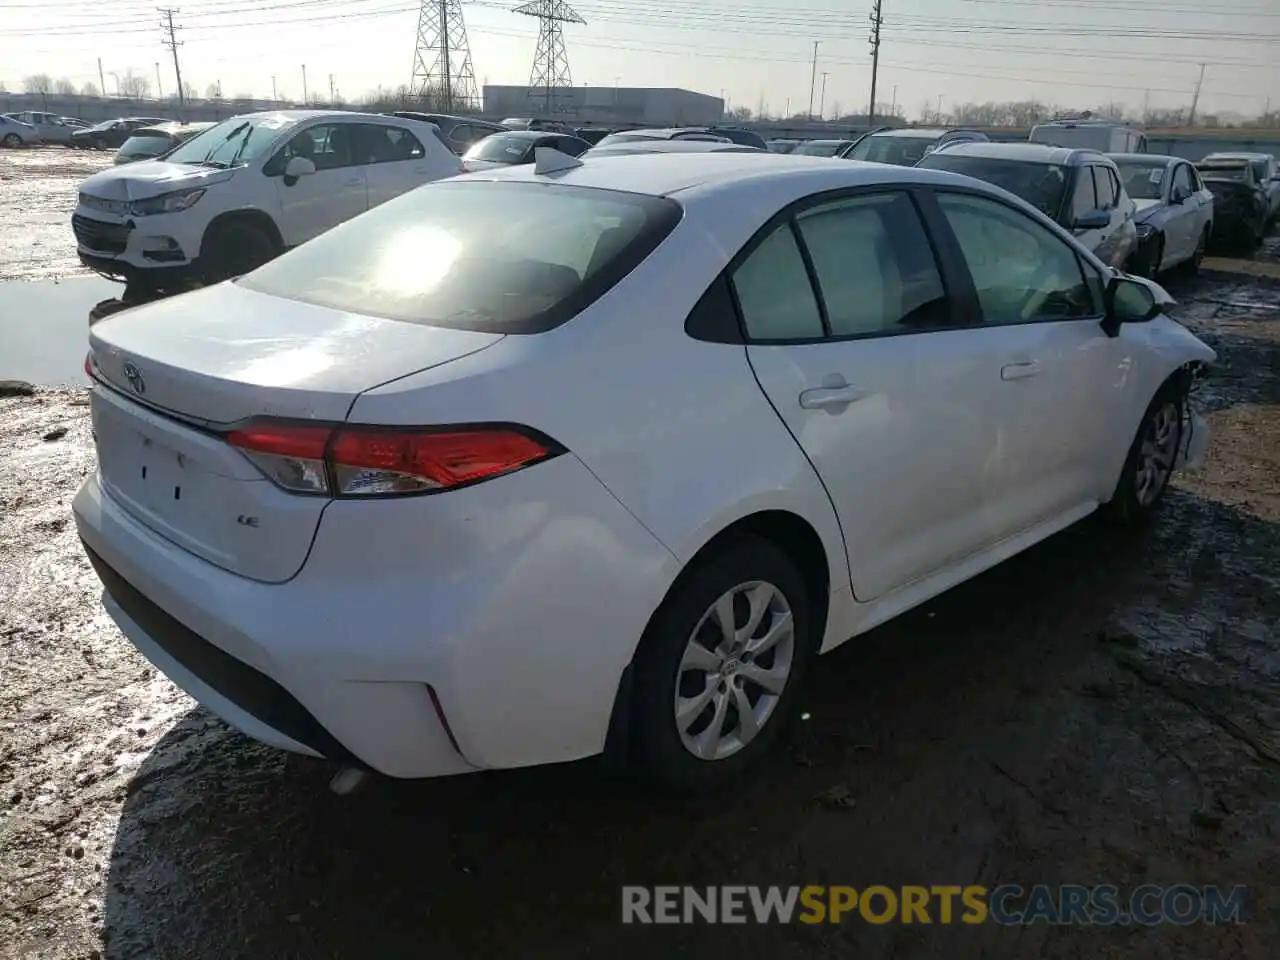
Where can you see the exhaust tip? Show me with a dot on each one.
(348, 780)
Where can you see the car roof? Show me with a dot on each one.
(665, 174)
(1238, 156)
(672, 146)
(530, 134)
(1152, 159)
(923, 133)
(1028, 152)
(175, 126)
(824, 140)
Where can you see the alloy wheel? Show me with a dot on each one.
(1156, 454)
(734, 670)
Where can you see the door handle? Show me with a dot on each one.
(1020, 371)
(819, 398)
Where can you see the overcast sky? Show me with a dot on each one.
(1066, 52)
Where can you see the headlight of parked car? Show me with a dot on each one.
(168, 203)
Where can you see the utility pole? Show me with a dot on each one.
(822, 97)
(275, 98)
(760, 106)
(332, 97)
(304, 84)
(939, 117)
(159, 85)
(813, 78)
(876, 20)
(893, 110)
(1195, 101)
(102, 81)
(173, 43)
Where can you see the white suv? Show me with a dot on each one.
(247, 189)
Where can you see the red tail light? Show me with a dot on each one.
(88, 365)
(370, 461)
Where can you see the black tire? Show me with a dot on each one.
(1132, 504)
(1151, 268)
(1197, 257)
(658, 752)
(234, 248)
(11, 140)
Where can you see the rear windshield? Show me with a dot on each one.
(499, 257)
(151, 145)
(903, 151)
(1043, 185)
(500, 146)
(1214, 172)
(820, 148)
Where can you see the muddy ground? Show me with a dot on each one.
(1102, 709)
(37, 195)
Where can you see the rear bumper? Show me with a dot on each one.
(484, 601)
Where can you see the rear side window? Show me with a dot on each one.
(379, 144)
(1105, 186)
(774, 292)
(497, 257)
(874, 266)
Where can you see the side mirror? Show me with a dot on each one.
(1128, 301)
(1180, 195)
(1093, 220)
(298, 167)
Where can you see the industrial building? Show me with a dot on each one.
(621, 106)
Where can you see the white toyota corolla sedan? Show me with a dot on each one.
(585, 457)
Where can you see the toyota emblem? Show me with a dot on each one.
(134, 376)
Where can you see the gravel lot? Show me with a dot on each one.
(37, 195)
(1102, 709)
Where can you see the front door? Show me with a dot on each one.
(1049, 370)
(852, 339)
(336, 192)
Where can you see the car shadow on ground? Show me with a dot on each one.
(988, 737)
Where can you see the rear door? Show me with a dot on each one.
(393, 159)
(336, 192)
(851, 337)
(1049, 376)
(1186, 222)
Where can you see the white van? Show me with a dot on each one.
(1105, 136)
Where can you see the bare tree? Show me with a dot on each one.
(134, 85)
(89, 90)
(37, 83)
(64, 87)
(3, 88)
(213, 91)
(189, 89)
(741, 113)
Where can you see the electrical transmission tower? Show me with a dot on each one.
(442, 58)
(876, 20)
(550, 59)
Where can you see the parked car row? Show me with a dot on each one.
(44, 128)
(780, 357)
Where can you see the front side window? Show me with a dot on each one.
(1182, 185)
(874, 266)
(1083, 198)
(498, 257)
(774, 292)
(1105, 187)
(327, 145)
(1022, 271)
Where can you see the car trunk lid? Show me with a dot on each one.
(178, 373)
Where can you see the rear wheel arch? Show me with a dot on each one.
(788, 532)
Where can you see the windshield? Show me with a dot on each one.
(903, 151)
(151, 146)
(1142, 181)
(506, 149)
(232, 142)
(1043, 185)
(820, 148)
(501, 257)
